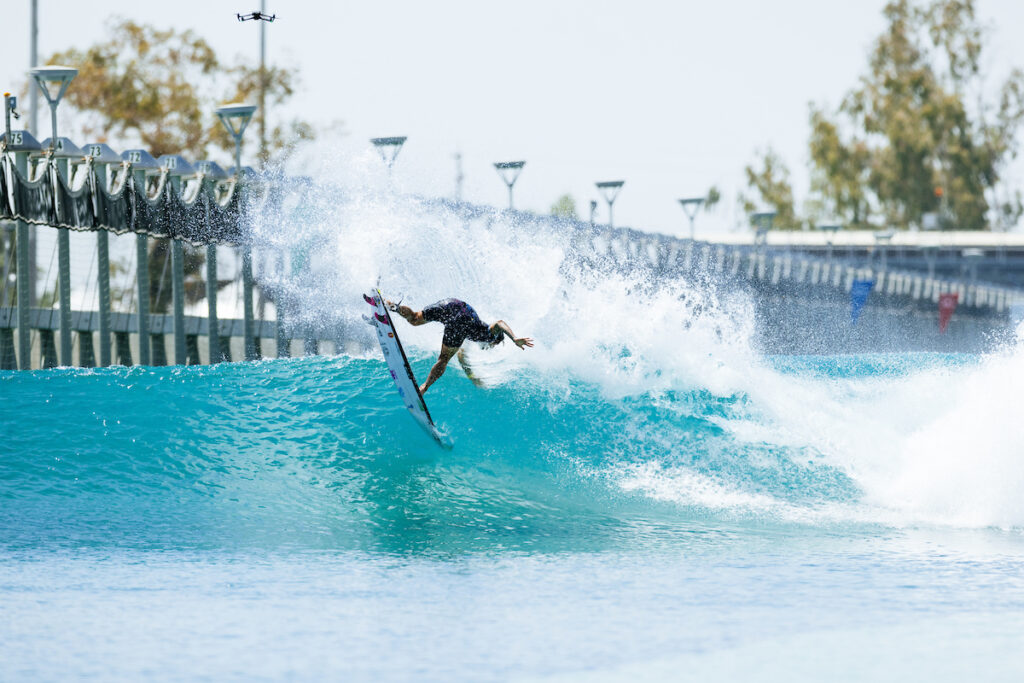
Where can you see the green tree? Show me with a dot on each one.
(840, 175)
(711, 201)
(160, 87)
(920, 134)
(564, 207)
(768, 177)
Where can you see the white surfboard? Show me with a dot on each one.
(398, 365)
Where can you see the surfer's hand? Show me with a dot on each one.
(523, 341)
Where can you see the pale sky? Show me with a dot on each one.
(670, 97)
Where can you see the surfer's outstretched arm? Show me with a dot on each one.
(414, 318)
(519, 341)
(439, 367)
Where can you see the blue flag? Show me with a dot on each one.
(858, 296)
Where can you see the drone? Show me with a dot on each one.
(257, 16)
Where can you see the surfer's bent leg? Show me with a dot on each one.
(464, 363)
(439, 367)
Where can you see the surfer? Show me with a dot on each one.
(460, 323)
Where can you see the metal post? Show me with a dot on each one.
(283, 343)
(263, 87)
(247, 321)
(178, 288)
(33, 61)
(213, 328)
(610, 190)
(142, 280)
(31, 240)
(103, 265)
(64, 274)
(691, 205)
(235, 118)
(509, 172)
(26, 278)
(178, 296)
(248, 326)
(62, 76)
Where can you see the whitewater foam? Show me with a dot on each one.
(935, 444)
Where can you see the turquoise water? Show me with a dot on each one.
(808, 518)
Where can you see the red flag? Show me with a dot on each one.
(947, 304)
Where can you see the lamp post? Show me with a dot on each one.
(32, 242)
(389, 149)
(53, 81)
(762, 221)
(236, 117)
(609, 189)
(509, 172)
(263, 18)
(20, 144)
(691, 206)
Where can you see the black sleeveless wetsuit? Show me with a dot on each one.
(460, 323)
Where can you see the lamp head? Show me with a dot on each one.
(691, 205)
(609, 189)
(509, 171)
(54, 81)
(235, 117)
(389, 147)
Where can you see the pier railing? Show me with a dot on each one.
(93, 189)
(200, 207)
(762, 266)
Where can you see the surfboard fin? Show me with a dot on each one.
(369, 299)
(369, 321)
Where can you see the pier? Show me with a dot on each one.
(127, 200)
